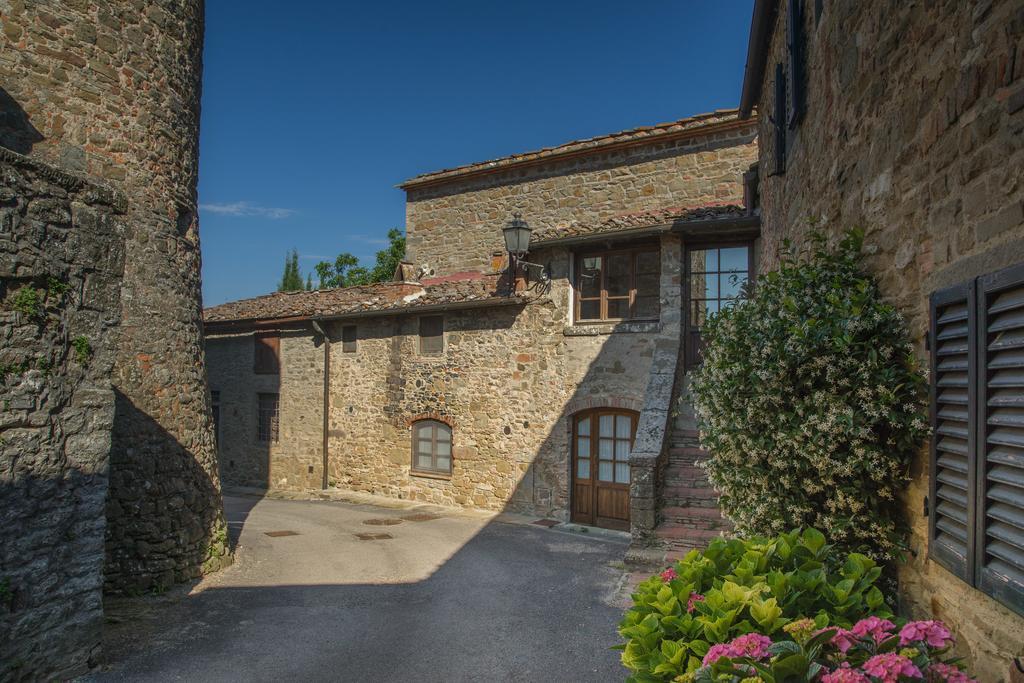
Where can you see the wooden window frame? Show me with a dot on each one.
(266, 346)
(349, 338)
(603, 298)
(691, 331)
(430, 352)
(433, 470)
(268, 423)
(974, 568)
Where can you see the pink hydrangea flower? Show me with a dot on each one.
(889, 667)
(691, 604)
(843, 639)
(753, 645)
(668, 575)
(717, 652)
(874, 627)
(932, 632)
(947, 673)
(844, 674)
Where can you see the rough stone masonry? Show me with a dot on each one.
(105, 94)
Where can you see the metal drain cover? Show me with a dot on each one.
(421, 517)
(368, 536)
(276, 534)
(382, 521)
(546, 522)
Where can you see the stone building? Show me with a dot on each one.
(548, 393)
(108, 472)
(907, 119)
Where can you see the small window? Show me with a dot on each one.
(267, 356)
(431, 335)
(348, 339)
(267, 418)
(618, 285)
(431, 447)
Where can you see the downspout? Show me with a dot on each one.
(327, 396)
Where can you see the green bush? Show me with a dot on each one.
(742, 586)
(811, 403)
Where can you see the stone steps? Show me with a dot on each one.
(694, 517)
(688, 506)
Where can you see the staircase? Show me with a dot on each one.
(688, 506)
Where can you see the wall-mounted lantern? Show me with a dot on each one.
(517, 244)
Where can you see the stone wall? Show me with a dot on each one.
(296, 459)
(110, 90)
(914, 131)
(61, 263)
(456, 226)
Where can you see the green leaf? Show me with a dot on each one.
(813, 539)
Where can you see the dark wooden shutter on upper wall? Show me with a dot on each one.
(952, 451)
(267, 353)
(999, 530)
(779, 119)
(795, 56)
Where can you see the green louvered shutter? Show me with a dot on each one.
(951, 514)
(999, 527)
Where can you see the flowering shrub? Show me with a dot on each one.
(869, 652)
(733, 598)
(811, 403)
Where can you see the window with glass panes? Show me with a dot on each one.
(603, 443)
(431, 447)
(618, 285)
(717, 276)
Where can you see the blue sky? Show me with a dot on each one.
(314, 110)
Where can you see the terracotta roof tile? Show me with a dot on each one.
(384, 297)
(638, 221)
(641, 133)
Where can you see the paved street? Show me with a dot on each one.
(447, 598)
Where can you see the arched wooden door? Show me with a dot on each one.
(601, 442)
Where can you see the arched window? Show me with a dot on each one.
(431, 447)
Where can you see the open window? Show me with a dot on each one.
(618, 285)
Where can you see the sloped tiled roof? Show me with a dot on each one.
(643, 133)
(383, 297)
(639, 221)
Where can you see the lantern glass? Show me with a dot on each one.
(517, 236)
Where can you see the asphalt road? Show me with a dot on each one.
(454, 598)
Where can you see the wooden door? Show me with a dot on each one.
(602, 441)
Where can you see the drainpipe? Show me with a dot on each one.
(327, 395)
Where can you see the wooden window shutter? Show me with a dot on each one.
(795, 50)
(779, 119)
(431, 334)
(999, 527)
(951, 487)
(267, 354)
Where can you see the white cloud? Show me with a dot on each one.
(247, 209)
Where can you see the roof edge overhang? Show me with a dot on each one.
(500, 165)
(720, 229)
(299, 322)
(739, 228)
(761, 24)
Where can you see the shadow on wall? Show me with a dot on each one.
(51, 556)
(16, 131)
(164, 523)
